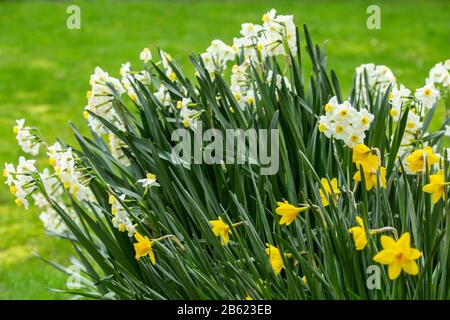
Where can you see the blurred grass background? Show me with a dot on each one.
(45, 68)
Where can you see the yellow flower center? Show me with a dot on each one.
(399, 256)
(393, 112)
(172, 76)
(427, 92)
(410, 125)
(343, 113)
(16, 130)
(354, 138)
(259, 47)
(13, 189)
(364, 120)
(328, 107)
(339, 129)
(5, 173)
(18, 202)
(322, 127)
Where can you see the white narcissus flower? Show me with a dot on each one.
(121, 219)
(427, 95)
(344, 122)
(399, 97)
(116, 146)
(21, 183)
(149, 181)
(145, 55)
(163, 96)
(439, 74)
(379, 77)
(447, 130)
(27, 141)
(100, 99)
(249, 30)
(189, 117)
(413, 123)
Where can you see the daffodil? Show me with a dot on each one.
(143, 247)
(221, 229)
(363, 156)
(275, 259)
(288, 212)
(370, 177)
(359, 234)
(436, 186)
(416, 160)
(398, 255)
(328, 193)
(149, 181)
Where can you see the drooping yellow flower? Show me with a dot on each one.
(275, 259)
(326, 185)
(361, 153)
(359, 234)
(398, 255)
(416, 160)
(436, 186)
(221, 229)
(143, 247)
(370, 177)
(288, 212)
(304, 280)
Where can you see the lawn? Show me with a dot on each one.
(45, 67)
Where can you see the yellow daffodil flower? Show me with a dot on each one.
(288, 212)
(304, 280)
(359, 234)
(360, 153)
(398, 255)
(436, 186)
(275, 258)
(143, 247)
(221, 229)
(326, 185)
(370, 177)
(416, 160)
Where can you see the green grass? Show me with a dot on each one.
(44, 72)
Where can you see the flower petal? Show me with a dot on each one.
(394, 270)
(384, 257)
(410, 267)
(388, 242)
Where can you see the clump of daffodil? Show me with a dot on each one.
(398, 255)
(143, 247)
(436, 186)
(288, 212)
(275, 258)
(359, 234)
(416, 160)
(328, 190)
(363, 157)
